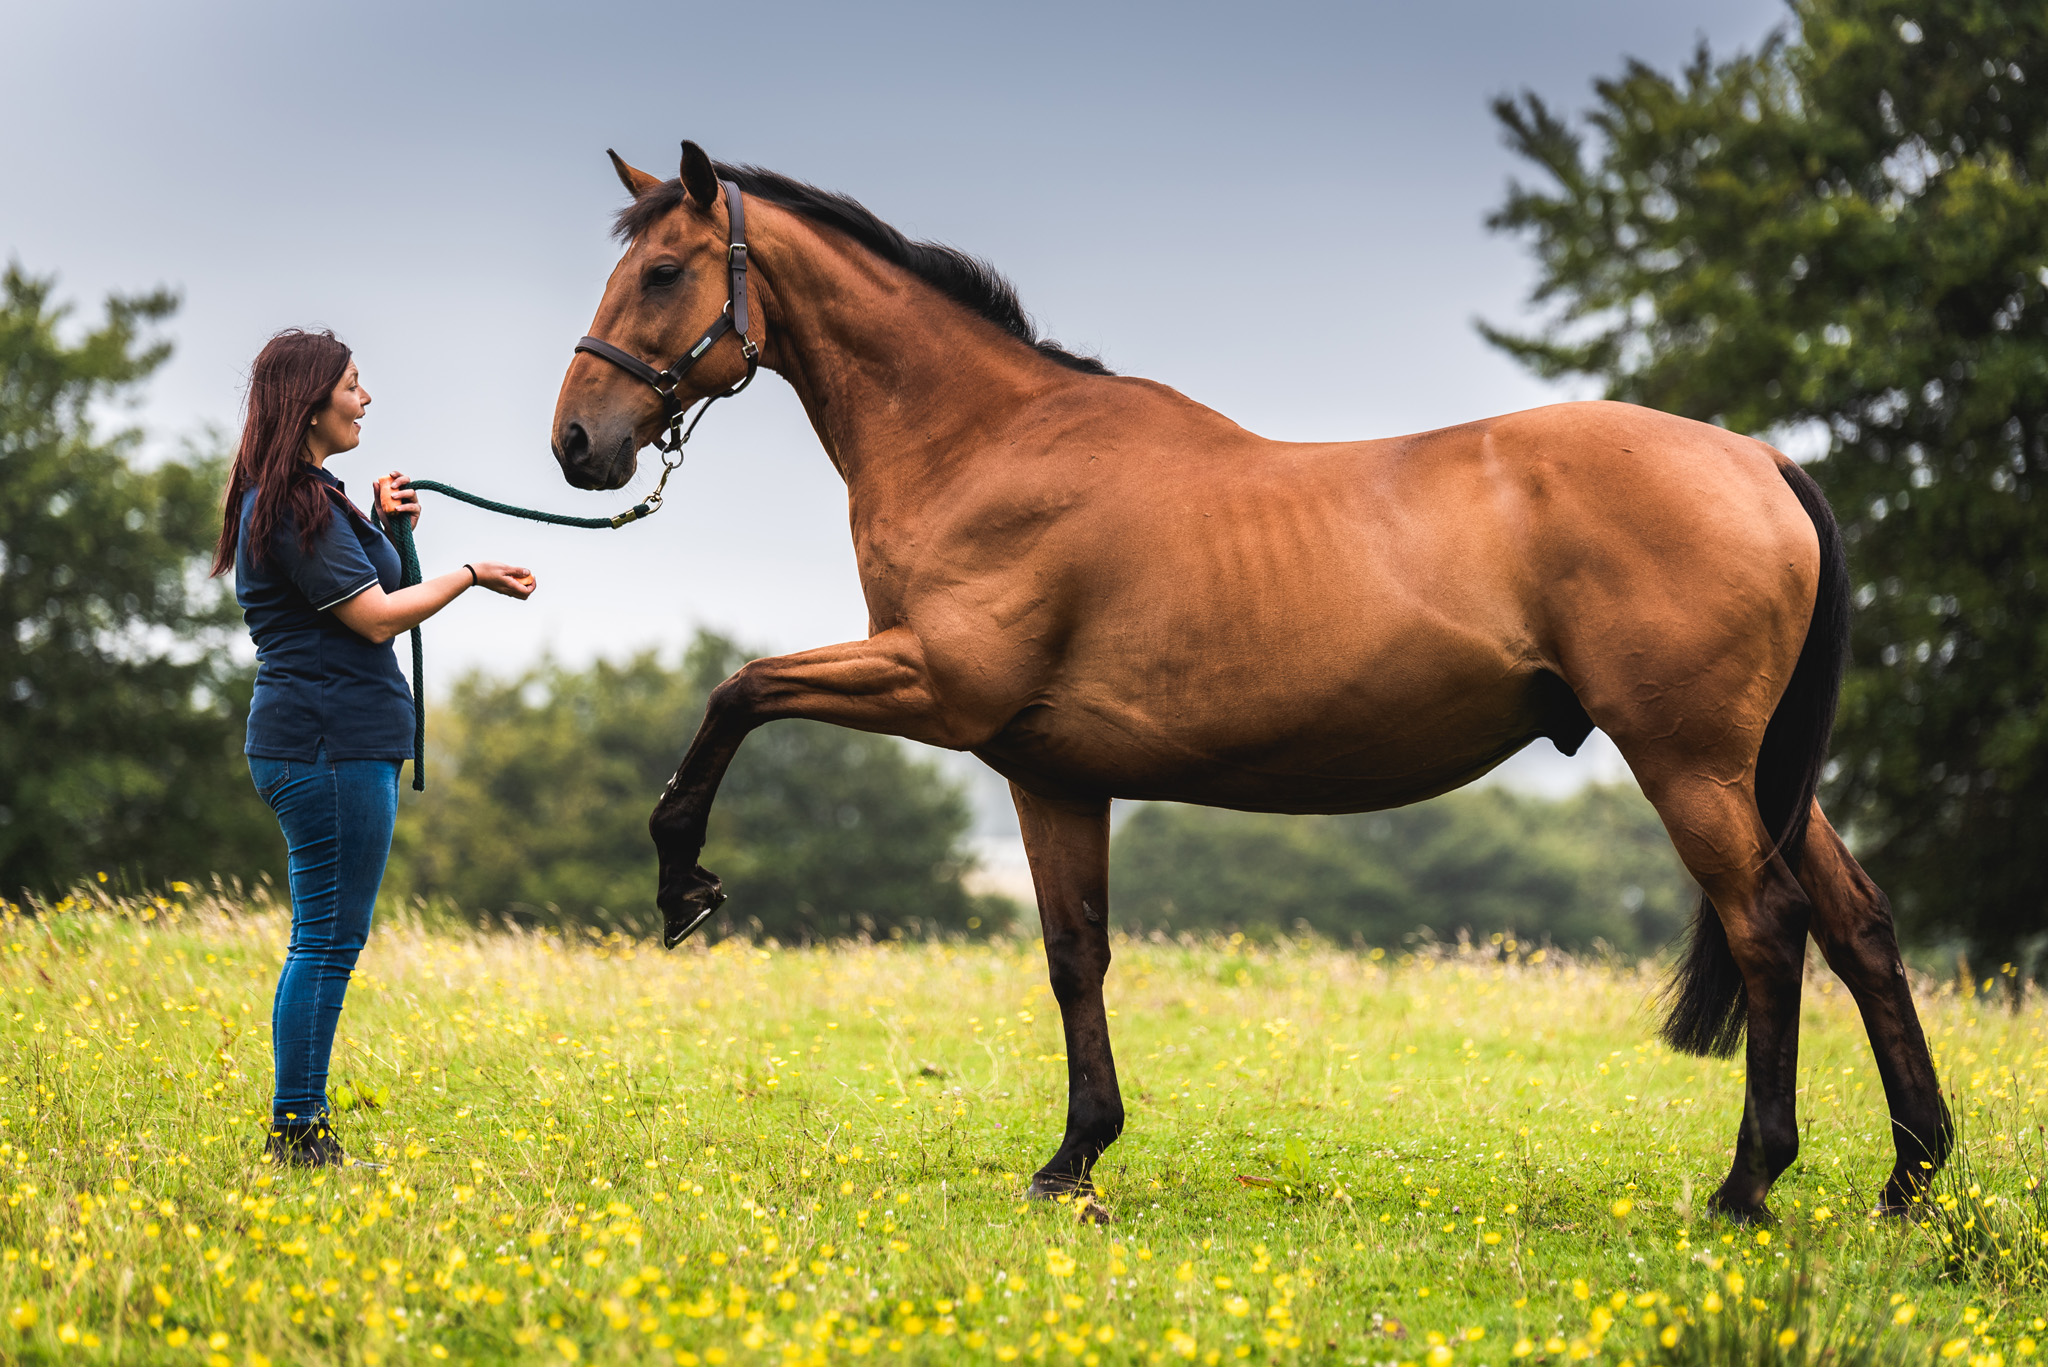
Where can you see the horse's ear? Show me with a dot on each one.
(700, 178)
(636, 181)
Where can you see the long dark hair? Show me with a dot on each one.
(292, 379)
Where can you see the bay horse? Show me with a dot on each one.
(1105, 590)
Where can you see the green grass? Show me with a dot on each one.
(602, 1152)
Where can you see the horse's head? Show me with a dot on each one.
(672, 283)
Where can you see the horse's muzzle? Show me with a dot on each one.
(594, 463)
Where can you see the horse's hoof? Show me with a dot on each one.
(691, 909)
(1758, 1214)
(1054, 1187)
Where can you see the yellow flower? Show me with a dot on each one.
(1904, 1314)
(1622, 1207)
(1184, 1273)
(1787, 1337)
(23, 1317)
(1523, 1347)
(1439, 1356)
(1058, 1263)
(568, 1349)
(1669, 1338)
(68, 1333)
(1712, 1304)
(1581, 1290)
(1955, 1348)
(1238, 1306)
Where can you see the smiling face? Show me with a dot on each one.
(671, 284)
(338, 427)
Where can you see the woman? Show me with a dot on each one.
(332, 718)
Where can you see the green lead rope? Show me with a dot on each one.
(400, 531)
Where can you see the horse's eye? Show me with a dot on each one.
(663, 276)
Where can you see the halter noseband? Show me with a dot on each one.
(734, 319)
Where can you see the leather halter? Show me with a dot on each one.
(734, 319)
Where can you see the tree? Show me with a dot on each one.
(1592, 868)
(121, 711)
(1842, 238)
(543, 783)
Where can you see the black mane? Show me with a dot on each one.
(966, 280)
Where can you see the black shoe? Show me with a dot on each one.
(304, 1144)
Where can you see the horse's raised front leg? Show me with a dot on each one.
(874, 685)
(1068, 844)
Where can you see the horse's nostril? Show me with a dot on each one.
(575, 444)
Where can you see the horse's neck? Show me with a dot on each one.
(901, 386)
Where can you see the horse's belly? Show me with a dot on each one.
(1308, 750)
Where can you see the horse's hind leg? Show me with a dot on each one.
(1764, 913)
(1068, 844)
(1852, 921)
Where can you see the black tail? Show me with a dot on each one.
(1708, 1005)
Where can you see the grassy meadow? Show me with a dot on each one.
(596, 1151)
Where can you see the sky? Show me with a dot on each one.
(1278, 209)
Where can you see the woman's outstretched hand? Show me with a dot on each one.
(378, 616)
(396, 499)
(510, 580)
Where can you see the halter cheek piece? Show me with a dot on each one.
(667, 382)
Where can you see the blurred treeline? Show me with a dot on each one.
(121, 706)
(121, 727)
(1838, 241)
(1591, 870)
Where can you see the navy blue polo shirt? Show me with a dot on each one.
(316, 680)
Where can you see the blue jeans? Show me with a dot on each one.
(337, 818)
